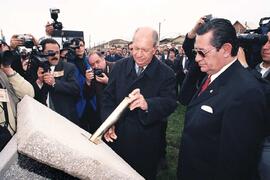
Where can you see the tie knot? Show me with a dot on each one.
(205, 84)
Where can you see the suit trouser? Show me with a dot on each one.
(264, 163)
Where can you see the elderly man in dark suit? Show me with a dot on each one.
(225, 120)
(56, 86)
(151, 86)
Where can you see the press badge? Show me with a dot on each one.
(58, 73)
(3, 95)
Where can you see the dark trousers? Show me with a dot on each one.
(163, 139)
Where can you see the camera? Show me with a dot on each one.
(27, 41)
(98, 72)
(207, 17)
(72, 46)
(54, 15)
(255, 37)
(24, 52)
(75, 43)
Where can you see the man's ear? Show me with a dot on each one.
(227, 48)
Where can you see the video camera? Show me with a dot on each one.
(35, 56)
(252, 41)
(72, 46)
(257, 36)
(54, 15)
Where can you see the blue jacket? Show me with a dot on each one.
(80, 76)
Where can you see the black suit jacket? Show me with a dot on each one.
(194, 76)
(224, 128)
(65, 92)
(139, 132)
(96, 89)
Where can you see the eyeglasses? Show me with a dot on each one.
(51, 52)
(202, 53)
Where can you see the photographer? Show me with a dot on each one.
(56, 85)
(263, 70)
(96, 81)
(13, 87)
(20, 39)
(77, 56)
(22, 48)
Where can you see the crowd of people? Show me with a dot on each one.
(227, 97)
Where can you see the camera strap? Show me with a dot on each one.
(5, 109)
(6, 114)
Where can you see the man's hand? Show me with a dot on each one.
(15, 41)
(110, 135)
(25, 64)
(241, 57)
(200, 22)
(89, 75)
(49, 78)
(137, 100)
(102, 79)
(7, 70)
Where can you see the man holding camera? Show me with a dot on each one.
(56, 85)
(77, 56)
(96, 81)
(13, 87)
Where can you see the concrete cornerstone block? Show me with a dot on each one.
(49, 138)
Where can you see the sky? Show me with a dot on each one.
(104, 20)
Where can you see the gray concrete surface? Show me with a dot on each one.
(51, 139)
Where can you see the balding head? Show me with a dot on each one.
(143, 32)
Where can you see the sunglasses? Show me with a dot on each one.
(202, 53)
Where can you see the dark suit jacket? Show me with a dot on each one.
(224, 144)
(64, 94)
(194, 76)
(113, 58)
(139, 132)
(96, 89)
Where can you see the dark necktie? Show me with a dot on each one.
(140, 70)
(205, 85)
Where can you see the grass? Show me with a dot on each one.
(173, 135)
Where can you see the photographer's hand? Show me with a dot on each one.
(242, 57)
(40, 78)
(15, 41)
(33, 39)
(49, 79)
(49, 29)
(8, 70)
(102, 79)
(25, 64)
(89, 75)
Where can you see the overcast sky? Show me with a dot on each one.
(104, 20)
